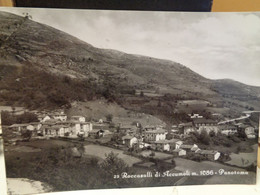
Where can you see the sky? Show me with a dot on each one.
(215, 45)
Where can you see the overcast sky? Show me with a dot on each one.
(215, 45)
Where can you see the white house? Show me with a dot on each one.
(77, 127)
(156, 135)
(129, 141)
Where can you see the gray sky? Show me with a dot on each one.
(215, 45)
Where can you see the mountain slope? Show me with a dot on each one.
(31, 46)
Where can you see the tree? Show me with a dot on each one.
(204, 137)
(109, 117)
(7, 118)
(142, 94)
(27, 135)
(113, 166)
(81, 149)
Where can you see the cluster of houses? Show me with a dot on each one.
(199, 123)
(58, 124)
(156, 140)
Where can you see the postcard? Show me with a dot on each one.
(101, 99)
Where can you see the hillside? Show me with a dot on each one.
(42, 64)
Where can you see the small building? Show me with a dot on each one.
(179, 152)
(195, 116)
(189, 148)
(155, 135)
(208, 154)
(129, 140)
(161, 145)
(95, 134)
(167, 145)
(77, 127)
(55, 130)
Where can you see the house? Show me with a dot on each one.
(195, 116)
(129, 140)
(155, 135)
(208, 129)
(77, 127)
(208, 154)
(161, 145)
(179, 152)
(55, 130)
(174, 143)
(189, 148)
(78, 118)
(198, 122)
(228, 129)
(167, 145)
(96, 133)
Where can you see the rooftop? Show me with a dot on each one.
(203, 120)
(19, 125)
(159, 131)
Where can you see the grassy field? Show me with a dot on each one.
(244, 159)
(245, 146)
(99, 109)
(158, 155)
(102, 151)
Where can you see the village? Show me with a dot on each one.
(132, 137)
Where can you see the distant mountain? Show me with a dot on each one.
(71, 65)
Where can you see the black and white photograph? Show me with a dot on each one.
(102, 99)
